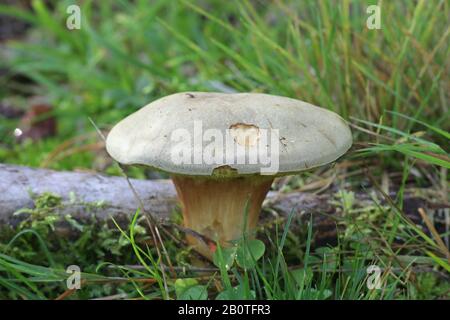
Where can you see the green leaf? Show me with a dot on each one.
(235, 293)
(321, 294)
(197, 292)
(249, 252)
(181, 285)
(224, 257)
(302, 276)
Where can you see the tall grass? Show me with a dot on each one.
(320, 51)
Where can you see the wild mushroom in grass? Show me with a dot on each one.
(223, 151)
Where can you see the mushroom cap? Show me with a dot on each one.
(300, 135)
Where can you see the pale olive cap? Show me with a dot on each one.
(308, 136)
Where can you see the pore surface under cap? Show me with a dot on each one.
(308, 136)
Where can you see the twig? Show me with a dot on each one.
(435, 234)
(69, 292)
(177, 269)
(153, 224)
(113, 297)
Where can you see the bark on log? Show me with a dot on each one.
(18, 183)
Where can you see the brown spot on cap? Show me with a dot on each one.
(245, 134)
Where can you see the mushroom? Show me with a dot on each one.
(223, 152)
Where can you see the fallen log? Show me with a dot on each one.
(19, 185)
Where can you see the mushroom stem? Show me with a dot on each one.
(216, 208)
